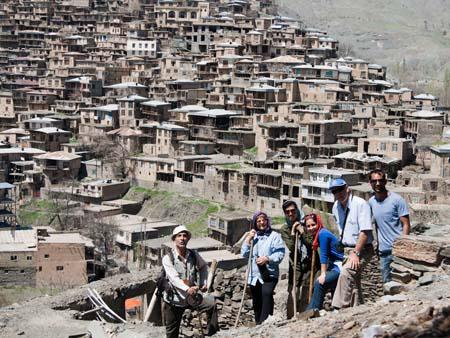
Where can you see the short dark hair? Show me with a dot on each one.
(378, 172)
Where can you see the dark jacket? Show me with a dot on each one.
(304, 256)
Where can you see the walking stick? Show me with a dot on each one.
(247, 273)
(151, 305)
(294, 282)
(311, 278)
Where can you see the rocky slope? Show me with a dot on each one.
(411, 37)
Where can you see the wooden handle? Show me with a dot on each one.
(211, 274)
(311, 278)
(294, 274)
(151, 305)
(247, 273)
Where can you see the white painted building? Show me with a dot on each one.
(138, 47)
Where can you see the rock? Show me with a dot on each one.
(404, 277)
(426, 279)
(418, 248)
(395, 298)
(393, 288)
(349, 325)
(374, 331)
(399, 267)
(236, 297)
(403, 262)
(313, 313)
(219, 278)
(423, 268)
(445, 252)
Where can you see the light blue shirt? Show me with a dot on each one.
(387, 214)
(359, 219)
(271, 246)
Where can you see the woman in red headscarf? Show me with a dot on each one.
(330, 259)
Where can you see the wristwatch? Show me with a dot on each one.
(357, 253)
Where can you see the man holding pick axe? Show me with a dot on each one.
(300, 258)
(187, 273)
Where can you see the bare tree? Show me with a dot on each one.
(103, 232)
(345, 49)
(111, 152)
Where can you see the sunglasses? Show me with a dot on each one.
(377, 181)
(337, 190)
(290, 211)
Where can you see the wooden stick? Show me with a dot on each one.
(247, 273)
(311, 278)
(294, 274)
(212, 272)
(151, 305)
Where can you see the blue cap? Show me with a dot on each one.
(337, 183)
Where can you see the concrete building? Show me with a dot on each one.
(228, 227)
(18, 251)
(64, 260)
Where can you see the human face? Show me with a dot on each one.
(341, 194)
(311, 226)
(291, 212)
(181, 240)
(378, 183)
(261, 223)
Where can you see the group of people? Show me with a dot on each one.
(338, 260)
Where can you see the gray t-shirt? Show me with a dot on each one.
(387, 214)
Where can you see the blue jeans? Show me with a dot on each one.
(385, 265)
(318, 296)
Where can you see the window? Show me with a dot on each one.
(382, 146)
(40, 268)
(395, 147)
(391, 132)
(376, 131)
(13, 258)
(46, 256)
(59, 268)
(29, 258)
(433, 186)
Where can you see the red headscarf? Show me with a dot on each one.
(319, 226)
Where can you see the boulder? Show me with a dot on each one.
(393, 288)
(426, 279)
(403, 277)
(421, 249)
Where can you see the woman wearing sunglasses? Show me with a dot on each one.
(330, 260)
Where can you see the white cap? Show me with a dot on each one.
(178, 229)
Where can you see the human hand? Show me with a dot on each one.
(250, 236)
(353, 260)
(297, 226)
(321, 278)
(262, 260)
(192, 290)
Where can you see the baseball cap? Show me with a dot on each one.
(337, 183)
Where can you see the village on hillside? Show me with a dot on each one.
(223, 101)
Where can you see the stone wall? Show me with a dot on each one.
(228, 288)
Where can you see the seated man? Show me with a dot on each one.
(187, 273)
